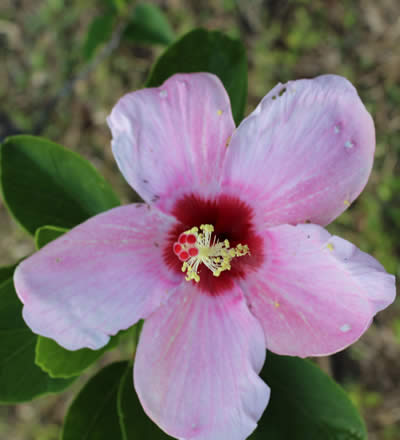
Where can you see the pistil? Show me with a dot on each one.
(195, 247)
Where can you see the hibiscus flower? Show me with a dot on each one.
(228, 254)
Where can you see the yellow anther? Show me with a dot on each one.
(215, 255)
(276, 304)
(330, 246)
(219, 112)
(346, 203)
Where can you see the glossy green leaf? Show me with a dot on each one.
(93, 414)
(20, 379)
(207, 51)
(148, 24)
(46, 234)
(43, 183)
(306, 404)
(100, 31)
(134, 422)
(59, 362)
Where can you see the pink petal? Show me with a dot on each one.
(171, 140)
(304, 155)
(197, 364)
(316, 293)
(99, 278)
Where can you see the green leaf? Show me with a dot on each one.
(6, 272)
(100, 31)
(46, 234)
(306, 404)
(207, 51)
(59, 362)
(148, 24)
(134, 422)
(43, 183)
(115, 5)
(93, 414)
(20, 379)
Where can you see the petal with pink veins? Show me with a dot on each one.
(197, 364)
(316, 293)
(171, 140)
(98, 278)
(304, 154)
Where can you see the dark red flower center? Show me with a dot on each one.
(232, 220)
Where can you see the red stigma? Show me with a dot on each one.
(183, 256)
(177, 248)
(191, 239)
(193, 252)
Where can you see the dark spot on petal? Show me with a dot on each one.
(282, 91)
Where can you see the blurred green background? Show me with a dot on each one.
(53, 84)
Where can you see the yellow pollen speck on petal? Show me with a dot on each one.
(276, 304)
(219, 112)
(330, 246)
(346, 203)
(215, 255)
(227, 142)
